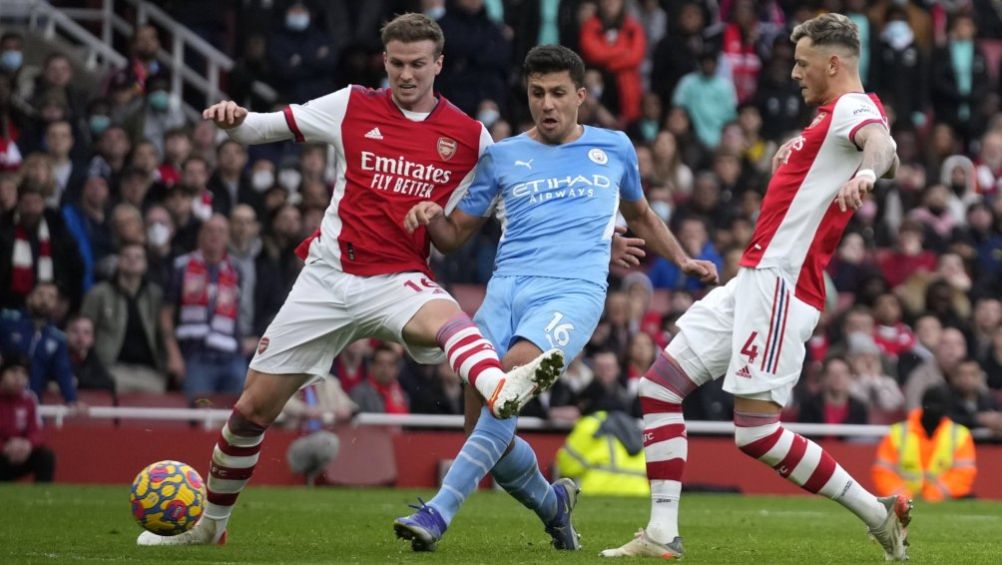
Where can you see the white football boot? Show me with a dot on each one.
(892, 533)
(204, 533)
(521, 384)
(643, 546)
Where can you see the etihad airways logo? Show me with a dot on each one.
(560, 187)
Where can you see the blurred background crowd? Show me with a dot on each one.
(114, 206)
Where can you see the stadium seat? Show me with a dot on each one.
(148, 400)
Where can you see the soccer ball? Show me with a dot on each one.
(167, 497)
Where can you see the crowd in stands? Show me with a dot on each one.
(141, 252)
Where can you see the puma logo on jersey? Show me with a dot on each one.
(526, 164)
(374, 134)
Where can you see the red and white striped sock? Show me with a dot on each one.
(233, 462)
(666, 447)
(804, 463)
(470, 355)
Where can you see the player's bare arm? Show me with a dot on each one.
(448, 233)
(879, 160)
(650, 228)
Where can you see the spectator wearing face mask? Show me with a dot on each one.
(899, 73)
(158, 114)
(21, 76)
(159, 233)
(960, 78)
(303, 57)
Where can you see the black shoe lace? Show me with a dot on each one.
(421, 507)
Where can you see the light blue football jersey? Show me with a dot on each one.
(557, 203)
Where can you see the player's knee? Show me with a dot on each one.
(656, 391)
(258, 409)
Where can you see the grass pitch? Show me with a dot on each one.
(74, 524)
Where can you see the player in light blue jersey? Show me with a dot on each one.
(557, 190)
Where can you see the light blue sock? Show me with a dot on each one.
(478, 456)
(518, 473)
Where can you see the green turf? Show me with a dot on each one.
(58, 524)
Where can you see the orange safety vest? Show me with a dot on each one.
(910, 462)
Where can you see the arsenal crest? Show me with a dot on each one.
(446, 148)
(817, 119)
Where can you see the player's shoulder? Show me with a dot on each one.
(610, 140)
(448, 113)
(856, 105)
(362, 91)
(600, 135)
(514, 143)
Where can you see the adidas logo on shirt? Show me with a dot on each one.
(374, 134)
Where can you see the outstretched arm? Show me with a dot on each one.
(448, 233)
(656, 235)
(880, 160)
(248, 127)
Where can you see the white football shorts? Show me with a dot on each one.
(328, 309)
(752, 331)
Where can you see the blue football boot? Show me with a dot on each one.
(560, 527)
(423, 528)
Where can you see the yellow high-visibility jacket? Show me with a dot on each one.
(601, 465)
(910, 462)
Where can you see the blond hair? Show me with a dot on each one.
(829, 29)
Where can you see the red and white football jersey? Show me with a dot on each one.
(800, 224)
(385, 164)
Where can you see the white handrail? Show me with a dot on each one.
(47, 18)
(44, 16)
(214, 416)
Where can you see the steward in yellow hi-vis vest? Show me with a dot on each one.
(604, 454)
(928, 454)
